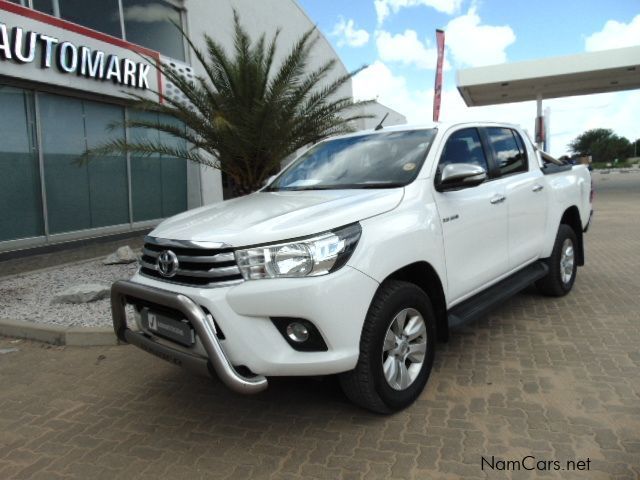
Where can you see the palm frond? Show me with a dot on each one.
(244, 114)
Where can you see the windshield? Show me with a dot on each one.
(381, 160)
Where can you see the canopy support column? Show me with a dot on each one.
(539, 122)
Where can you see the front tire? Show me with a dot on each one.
(562, 264)
(397, 349)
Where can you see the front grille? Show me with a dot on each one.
(202, 267)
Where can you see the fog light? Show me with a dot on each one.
(297, 332)
(300, 334)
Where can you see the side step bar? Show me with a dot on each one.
(479, 305)
(123, 292)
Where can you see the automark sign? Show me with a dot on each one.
(41, 48)
(21, 46)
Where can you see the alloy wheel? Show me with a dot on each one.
(567, 261)
(405, 346)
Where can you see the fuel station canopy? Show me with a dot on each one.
(565, 76)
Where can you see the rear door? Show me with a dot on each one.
(474, 221)
(524, 189)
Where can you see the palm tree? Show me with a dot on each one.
(245, 115)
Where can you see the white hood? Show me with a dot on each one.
(264, 217)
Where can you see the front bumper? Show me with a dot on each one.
(336, 304)
(123, 292)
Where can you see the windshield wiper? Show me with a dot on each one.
(350, 186)
(308, 187)
(381, 185)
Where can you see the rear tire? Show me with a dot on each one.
(397, 349)
(562, 264)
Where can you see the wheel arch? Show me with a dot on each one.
(571, 218)
(423, 275)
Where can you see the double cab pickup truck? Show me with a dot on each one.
(358, 258)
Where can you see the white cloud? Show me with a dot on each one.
(473, 44)
(617, 111)
(385, 7)
(615, 35)
(379, 82)
(407, 49)
(348, 33)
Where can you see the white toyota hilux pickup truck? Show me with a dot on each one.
(357, 258)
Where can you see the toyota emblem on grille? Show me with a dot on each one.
(167, 264)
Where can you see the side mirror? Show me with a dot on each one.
(461, 175)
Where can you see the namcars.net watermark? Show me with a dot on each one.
(531, 463)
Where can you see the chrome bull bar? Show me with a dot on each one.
(124, 292)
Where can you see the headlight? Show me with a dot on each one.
(319, 255)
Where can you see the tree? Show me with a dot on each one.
(635, 146)
(245, 116)
(602, 144)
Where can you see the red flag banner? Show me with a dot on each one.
(437, 89)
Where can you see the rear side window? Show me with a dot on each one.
(508, 150)
(463, 146)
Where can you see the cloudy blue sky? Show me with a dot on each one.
(396, 38)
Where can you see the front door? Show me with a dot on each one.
(474, 222)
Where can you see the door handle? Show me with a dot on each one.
(537, 188)
(498, 199)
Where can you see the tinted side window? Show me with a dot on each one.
(508, 152)
(463, 146)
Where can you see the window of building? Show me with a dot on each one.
(20, 198)
(158, 183)
(107, 173)
(103, 16)
(49, 7)
(150, 23)
(20, 2)
(509, 156)
(79, 195)
(94, 193)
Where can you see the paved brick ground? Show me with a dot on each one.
(556, 379)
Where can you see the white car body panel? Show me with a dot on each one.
(565, 191)
(475, 237)
(527, 207)
(265, 217)
(409, 234)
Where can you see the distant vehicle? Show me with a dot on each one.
(357, 257)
